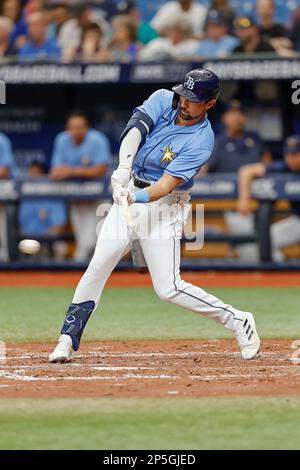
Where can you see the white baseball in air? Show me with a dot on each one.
(29, 247)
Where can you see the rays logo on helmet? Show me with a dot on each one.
(190, 83)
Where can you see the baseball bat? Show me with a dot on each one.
(137, 254)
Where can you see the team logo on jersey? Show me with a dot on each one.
(167, 155)
(190, 83)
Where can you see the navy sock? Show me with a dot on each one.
(76, 318)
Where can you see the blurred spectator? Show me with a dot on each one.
(6, 27)
(285, 232)
(217, 42)
(249, 34)
(70, 32)
(265, 10)
(38, 47)
(12, 9)
(177, 44)
(272, 32)
(294, 29)
(225, 9)
(58, 14)
(189, 10)
(81, 152)
(8, 169)
(145, 32)
(234, 148)
(44, 216)
(90, 48)
(123, 45)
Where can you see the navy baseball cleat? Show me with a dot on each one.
(63, 351)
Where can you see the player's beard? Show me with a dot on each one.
(187, 117)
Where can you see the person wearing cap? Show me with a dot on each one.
(249, 35)
(285, 232)
(225, 9)
(235, 147)
(217, 41)
(165, 142)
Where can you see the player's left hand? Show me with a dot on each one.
(120, 177)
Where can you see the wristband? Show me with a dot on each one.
(141, 196)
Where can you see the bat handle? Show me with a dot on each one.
(125, 205)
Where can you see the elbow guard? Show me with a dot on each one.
(142, 122)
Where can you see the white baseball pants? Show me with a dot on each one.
(161, 248)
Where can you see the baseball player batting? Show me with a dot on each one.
(165, 143)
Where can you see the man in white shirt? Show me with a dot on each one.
(186, 9)
(176, 44)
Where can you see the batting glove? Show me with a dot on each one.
(120, 177)
(118, 194)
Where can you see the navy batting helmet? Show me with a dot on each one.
(199, 85)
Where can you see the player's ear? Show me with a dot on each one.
(210, 104)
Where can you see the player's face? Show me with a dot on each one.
(190, 111)
(293, 161)
(77, 128)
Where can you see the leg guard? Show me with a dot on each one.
(76, 318)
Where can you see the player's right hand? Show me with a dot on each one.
(243, 206)
(119, 193)
(120, 177)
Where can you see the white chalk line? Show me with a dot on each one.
(217, 377)
(28, 378)
(150, 354)
(68, 365)
(21, 369)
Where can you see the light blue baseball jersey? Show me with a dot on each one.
(38, 217)
(94, 150)
(6, 155)
(176, 150)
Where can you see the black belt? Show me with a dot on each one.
(140, 183)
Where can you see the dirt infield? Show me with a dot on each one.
(150, 369)
(133, 279)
